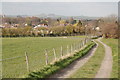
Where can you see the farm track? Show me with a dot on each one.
(106, 65)
(74, 66)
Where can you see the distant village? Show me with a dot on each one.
(35, 26)
(35, 22)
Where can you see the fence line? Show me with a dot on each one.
(39, 51)
(27, 62)
(46, 55)
(72, 48)
(54, 54)
(11, 58)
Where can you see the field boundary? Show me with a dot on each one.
(75, 65)
(49, 56)
(52, 68)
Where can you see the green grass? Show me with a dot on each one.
(113, 43)
(51, 69)
(34, 46)
(92, 66)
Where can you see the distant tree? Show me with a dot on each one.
(109, 27)
(69, 29)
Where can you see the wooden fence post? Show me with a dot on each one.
(74, 47)
(71, 48)
(27, 62)
(54, 54)
(67, 49)
(61, 52)
(83, 42)
(79, 45)
(86, 40)
(46, 55)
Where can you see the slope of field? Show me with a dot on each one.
(35, 47)
(113, 43)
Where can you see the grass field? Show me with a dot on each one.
(113, 43)
(90, 69)
(34, 46)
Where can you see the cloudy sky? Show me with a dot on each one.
(60, 0)
(93, 8)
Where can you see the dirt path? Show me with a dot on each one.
(106, 65)
(66, 72)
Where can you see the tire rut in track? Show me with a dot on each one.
(106, 65)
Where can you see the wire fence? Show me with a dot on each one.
(22, 65)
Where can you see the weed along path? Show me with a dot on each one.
(73, 67)
(106, 65)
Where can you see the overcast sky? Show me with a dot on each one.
(60, 0)
(93, 9)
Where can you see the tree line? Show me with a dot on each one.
(107, 27)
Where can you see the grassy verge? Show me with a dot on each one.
(113, 43)
(52, 68)
(92, 66)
